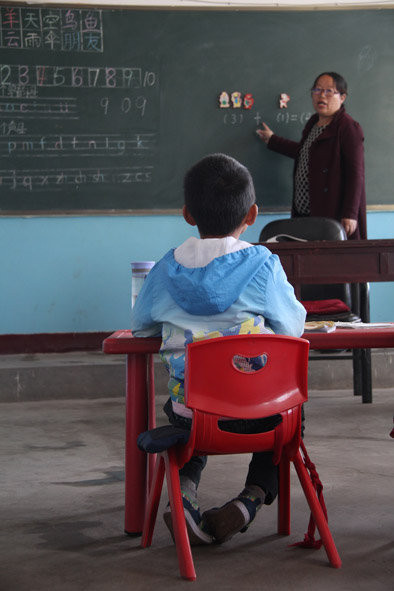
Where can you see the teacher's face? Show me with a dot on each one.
(325, 105)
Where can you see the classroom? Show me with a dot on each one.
(103, 107)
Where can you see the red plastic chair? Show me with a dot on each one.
(216, 387)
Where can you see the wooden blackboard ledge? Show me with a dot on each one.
(387, 207)
(91, 212)
(148, 212)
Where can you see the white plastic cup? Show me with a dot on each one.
(139, 272)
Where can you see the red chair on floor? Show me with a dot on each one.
(248, 376)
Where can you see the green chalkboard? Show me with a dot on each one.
(104, 110)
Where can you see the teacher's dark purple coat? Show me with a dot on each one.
(336, 169)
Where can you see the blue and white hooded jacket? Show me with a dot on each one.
(209, 288)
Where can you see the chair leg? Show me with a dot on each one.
(185, 558)
(362, 374)
(317, 511)
(153, 502)
(284, 498)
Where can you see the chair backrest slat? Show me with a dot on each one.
(217, 382)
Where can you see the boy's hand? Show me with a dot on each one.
(265, 134)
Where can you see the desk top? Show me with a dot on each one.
(122, 341)
(346, 261)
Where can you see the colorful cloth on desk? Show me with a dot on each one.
(332, 306)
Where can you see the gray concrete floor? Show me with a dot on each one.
(62, 505)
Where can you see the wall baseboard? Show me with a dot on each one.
(55, 342)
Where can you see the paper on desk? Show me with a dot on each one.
(320, 326)
(364, 324)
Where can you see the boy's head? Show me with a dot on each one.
(219, 194)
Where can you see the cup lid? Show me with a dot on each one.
(142, 264)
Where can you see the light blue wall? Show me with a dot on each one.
(72, 274)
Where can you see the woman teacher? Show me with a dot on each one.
(328, 175)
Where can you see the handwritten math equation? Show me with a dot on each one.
(31, 180)
(288, 117)
(282, 117)
(52, 29)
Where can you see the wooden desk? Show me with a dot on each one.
(348, 261)
(140, 400)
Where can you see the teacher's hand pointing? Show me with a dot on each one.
(265, 133)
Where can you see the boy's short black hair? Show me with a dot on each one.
(219, 192)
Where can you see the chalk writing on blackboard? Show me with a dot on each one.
(51, 29)
(45, 108)
(57, 125)
(64, 145)
(76, 76)
(233, 119)
(52, 179)
(286, 117)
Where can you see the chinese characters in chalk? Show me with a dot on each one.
(51, 28)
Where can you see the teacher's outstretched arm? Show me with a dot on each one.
(276, 143)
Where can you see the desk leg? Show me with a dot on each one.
(151, 415)
(362, 374)
(135, 460)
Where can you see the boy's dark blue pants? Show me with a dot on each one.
(262, 472)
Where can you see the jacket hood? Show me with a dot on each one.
(215, 287)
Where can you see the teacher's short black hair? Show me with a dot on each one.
(219, 192)
(340, 82)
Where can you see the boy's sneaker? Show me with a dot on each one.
(233, 517)
(195, 527)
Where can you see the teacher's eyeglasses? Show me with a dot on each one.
(328, 92)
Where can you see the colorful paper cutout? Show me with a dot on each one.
(283, 100)
(248, 101)
(224, 100)
(236, 99)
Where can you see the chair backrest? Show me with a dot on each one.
(308, 228)
(313, 228)
(244, 377)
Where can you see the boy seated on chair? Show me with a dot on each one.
(212, 286)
